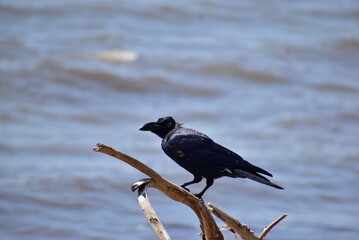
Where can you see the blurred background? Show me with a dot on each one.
(277, 82)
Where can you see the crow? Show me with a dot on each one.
(201, 156)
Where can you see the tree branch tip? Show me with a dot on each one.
(281, 218)
(141, 182)
(98, 146)
(101, 145)
(96, 149)
(212, 207)
(268, 228)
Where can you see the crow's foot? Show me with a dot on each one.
(185, 188)
(199, 196)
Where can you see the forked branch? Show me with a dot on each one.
(242, 229)
(210, 230)
(209, 227)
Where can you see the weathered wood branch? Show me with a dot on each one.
(209, 227)
(242, 229)
(147, 208)
(267, 229)
(210, 230)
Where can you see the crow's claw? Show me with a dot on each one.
(185, 188)
(199, 196)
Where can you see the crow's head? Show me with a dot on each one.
(161, 127)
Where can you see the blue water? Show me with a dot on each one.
(277, 82)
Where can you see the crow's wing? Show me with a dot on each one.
(200, 150)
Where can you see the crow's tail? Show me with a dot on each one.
(255, 177)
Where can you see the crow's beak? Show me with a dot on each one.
(149, 126)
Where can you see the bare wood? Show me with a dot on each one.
(209, 227)
(147, 208)
(210, 230)
(242, 229)
(267, 229)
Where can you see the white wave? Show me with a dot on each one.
(116, 55)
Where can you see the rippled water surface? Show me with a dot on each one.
(277, 82)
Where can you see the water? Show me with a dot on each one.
(277, 82)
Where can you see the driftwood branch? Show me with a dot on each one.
(210, 230)
(267, 229)
(209, 227)
(242, 229)
(147, 208)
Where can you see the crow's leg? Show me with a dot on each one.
(196, 179)
(209, 182)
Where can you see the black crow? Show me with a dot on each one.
(201, 156)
